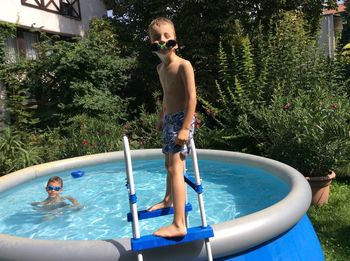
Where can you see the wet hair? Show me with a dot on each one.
(158, 21)
(55, 179)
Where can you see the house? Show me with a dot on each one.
(67, 18)
(63, 17)
(332, 22)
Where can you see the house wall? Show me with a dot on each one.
(28, 17)
(327, 36)
(2, 106)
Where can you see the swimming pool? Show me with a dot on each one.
(245, 231)
(230, 190)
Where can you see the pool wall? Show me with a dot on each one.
(234, 237)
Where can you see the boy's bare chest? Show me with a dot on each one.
(170, 78)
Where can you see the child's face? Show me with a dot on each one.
(162, 33)
(53, 189)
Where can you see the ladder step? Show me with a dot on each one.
(150, 241)
(144, 214)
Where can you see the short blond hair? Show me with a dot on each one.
(55, 179)
(158, 21)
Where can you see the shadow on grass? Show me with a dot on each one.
(343, 237)
(332, 221)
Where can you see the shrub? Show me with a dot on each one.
(87, 135)
(15, 153)
(283, 99)
(84, 76)
(309, 131)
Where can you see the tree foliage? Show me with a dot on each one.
(6, 30)
(87, 76)
(294, 108)
(200, 26)
(345, 37)
(250, 59)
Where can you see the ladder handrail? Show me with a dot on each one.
(198, 183)
(132, 194)
(200, 197)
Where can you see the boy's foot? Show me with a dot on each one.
(171, 231)
(160, 205)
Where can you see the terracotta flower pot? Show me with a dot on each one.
(320, 188)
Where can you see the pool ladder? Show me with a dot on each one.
(138, 242)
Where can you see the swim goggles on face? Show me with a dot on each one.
(49, 188)
(166, 46)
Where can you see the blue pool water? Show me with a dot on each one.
(230, 191)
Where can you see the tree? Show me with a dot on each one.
(263, 76)
(200, 26)
(345, 37)
(86, 76)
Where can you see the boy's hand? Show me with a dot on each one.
(182, 137)
(159, 126)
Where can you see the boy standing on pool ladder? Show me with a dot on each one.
(176, 76)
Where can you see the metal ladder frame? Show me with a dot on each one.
(135, 214)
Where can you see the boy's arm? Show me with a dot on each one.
(37, 203)
(187, 76)
(163, 109)
(160, 120)
(73, 200)
(44, 202)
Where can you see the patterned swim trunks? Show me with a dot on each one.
(172, 124)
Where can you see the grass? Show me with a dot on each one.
(332, 222)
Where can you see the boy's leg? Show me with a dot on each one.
(178, 189)
(167, 200)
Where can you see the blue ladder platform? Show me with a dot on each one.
(144, 214)
(151, 241)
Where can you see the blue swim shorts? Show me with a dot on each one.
(172, 124)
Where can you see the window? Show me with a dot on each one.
(22, 45)
(68, 8)
(11, 50)
(29, 40)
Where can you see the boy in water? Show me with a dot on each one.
(54, 188)
(176, 76)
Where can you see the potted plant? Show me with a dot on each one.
(308, 130)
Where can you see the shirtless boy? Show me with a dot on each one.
(176, 76)
(54, 188)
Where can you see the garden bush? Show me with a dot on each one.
(280, 97)
(16, 152)
(83, 76)
(309, 131)
(86, 135)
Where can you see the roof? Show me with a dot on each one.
(340, 9)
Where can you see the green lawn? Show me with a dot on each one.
(332, 222)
